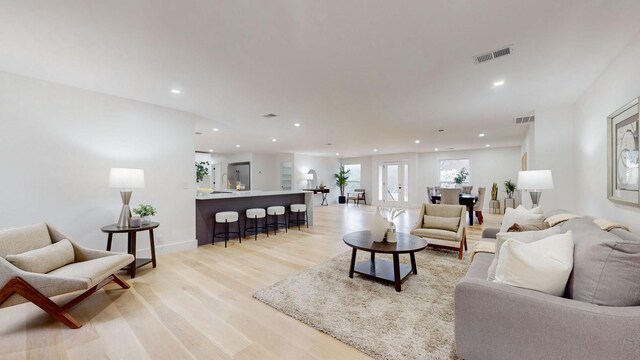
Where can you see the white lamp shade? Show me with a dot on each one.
(122, 178)
(535, 180)
(308, 176)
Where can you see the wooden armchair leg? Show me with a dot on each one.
(22, 288)
(80, 298)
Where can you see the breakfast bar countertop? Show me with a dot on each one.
(230, 194)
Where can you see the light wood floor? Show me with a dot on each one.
(198, 303)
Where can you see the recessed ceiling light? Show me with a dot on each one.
(481, 135)
(337, 154)
(417, 141)
(237, 145)
(216, 129)
(488, 145)
(175, 91)
(436, 149)
(296, 124)
(210, 150)
(375, 150)
(274, 140)
(498, 83)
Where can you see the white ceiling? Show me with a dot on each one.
(358, 74)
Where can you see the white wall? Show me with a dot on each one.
(325, 168)
(486, 167)
(616, 86)
(366, 180)
(553, 150)
(57, 144)
(265, 172)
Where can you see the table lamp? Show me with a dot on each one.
(309, 178)
(534, 181)
(126, 179)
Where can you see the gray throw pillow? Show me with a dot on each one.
(606, 267)
(45, 259)
(442, 223)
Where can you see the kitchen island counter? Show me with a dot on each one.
(209, 204)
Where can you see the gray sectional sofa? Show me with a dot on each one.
(597, 318)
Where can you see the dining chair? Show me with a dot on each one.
(467, 189)
(450, 196)
(479, 204)
(430, 193)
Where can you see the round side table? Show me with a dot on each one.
(131, 243)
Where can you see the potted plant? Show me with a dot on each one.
(509, 188)
(202, 170)
(461, 177)
(494, 204)
(341, 180)
(145, 212)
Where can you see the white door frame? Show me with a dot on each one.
(387, 197)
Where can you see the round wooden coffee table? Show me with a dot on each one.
(381, 269)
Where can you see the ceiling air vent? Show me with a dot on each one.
(269, 116)
(198, 133)
(525, 120)
(491, 55)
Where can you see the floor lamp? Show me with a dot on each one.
(533, 181)
(126, 179)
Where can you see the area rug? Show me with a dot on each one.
(371, 316)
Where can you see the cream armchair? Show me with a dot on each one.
(87, 270)
(442, 226)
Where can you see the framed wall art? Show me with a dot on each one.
(622, 131)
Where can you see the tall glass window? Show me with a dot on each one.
(354, 177)
(449, 169)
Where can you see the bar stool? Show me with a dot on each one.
(225, 217)
(255, 214)
(298, 209)
(276, 211)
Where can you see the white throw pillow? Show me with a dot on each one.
(543, 265)
(536, 210)
(524, 237)
(519, 216)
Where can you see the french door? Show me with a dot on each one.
(393, 179)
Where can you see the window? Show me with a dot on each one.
(449, 169)
(354, 178)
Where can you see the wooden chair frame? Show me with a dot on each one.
(20, 287)
(461, 248)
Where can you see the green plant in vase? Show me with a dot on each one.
(509, 188)
(202, 170)
(145, 212)
(341, 181)
(461, 177)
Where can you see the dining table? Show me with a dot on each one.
(468, 200)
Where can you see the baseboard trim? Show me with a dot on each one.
(168, 248)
